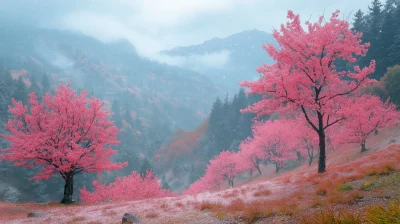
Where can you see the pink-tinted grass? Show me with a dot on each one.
(290, 193)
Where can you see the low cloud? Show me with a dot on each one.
(108, 29)
(197, 62)
(52, 56)
(155, 25)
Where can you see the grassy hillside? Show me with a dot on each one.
(354, 188)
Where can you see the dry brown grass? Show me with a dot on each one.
(236, 206)
(109, 212)
(230, 194)
(343, 197)
(151, 215)
(380, 169)
(316, 202)
(299, 194)
(164, 205)
(286, 179)
(262, 193)
(255, 212)
(330, 216)
(209, 206)
(76, 220)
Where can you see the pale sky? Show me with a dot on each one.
(154, 25)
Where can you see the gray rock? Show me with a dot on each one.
(128, 218)
(393, 140)
(36, 214)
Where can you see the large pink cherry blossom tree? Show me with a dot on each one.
(304, 78)
(65, 134)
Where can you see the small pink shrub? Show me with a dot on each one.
(129, 188)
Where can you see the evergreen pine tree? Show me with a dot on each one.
(21, 91)
(359, 23)
(226, 126)
(373, 34)
(239, 105)
(164, 183)
(216, 115)
(5, 76)
(394, 53)
(127, 113)
(215, 130)
(116, 116)
(35, 87)
(177, 167)
(386, 37)
(146, 166)
(192, 175)
(394, 56)
(4, 101)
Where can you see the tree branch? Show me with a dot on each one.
(308, 119)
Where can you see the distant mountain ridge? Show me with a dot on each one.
(184, 95)
(245, 55)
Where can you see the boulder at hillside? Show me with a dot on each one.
(128, 218)
(36, 214)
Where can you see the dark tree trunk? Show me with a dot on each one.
(320, 129)
(299, 157)
(363, 148)
(277, 167)
(231, 182)
(310, 156)
(322, 144)
(376, 132)
(257, 165)
(251, 172)
(68, 188)
(258, 169)
(322, 155)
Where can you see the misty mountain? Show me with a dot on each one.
(147, 100)
(235, 57)
(108, 71)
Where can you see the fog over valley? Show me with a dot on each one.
(199, 111)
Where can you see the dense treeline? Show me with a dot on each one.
(380, 27)
(228, 126)
(189, 152)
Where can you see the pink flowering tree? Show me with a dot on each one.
(65, 134)
(224, 167)
(206, 182)
(306, 138)
(310, 144)
(250, 156)
(276, 140)
(304, 78)
(364, 115)
(132, 187)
